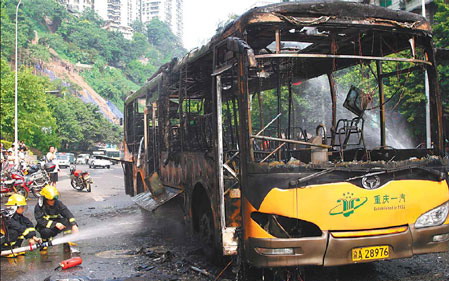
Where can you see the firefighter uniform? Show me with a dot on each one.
(18, 227)
(47, 216)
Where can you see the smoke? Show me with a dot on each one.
(316, 93)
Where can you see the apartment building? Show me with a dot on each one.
(120, 14)
(77, 6)
(168, 11)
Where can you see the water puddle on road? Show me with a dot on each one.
(117, 254)
(35, 261)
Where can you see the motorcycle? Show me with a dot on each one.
(36, 178)
(80, 179)
(14, 184)
(23, 181)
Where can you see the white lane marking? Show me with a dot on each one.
(98, 198)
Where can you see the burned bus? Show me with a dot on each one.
(285, 136)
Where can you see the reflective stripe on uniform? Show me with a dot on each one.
(71, 219)
(51, 217)
(28, 230)
(49, 224)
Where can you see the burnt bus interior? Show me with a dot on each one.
(327, 85)
(332, 90)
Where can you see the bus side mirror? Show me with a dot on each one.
(121, 121)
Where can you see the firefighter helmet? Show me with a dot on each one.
(16, 200)
(50, 192)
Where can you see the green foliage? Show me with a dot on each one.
(163, 39)
(138, 72)
(82, 39)
(110, 83)
(81, 125)
(45, 119)
(441, 37)
(119, 66)
(39, 52)
(7, 31)
(441, 25)
(6, 144)
(36, 126)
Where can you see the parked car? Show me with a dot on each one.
(82, 159)
(72, 158)
(63, 160)
(95, 162)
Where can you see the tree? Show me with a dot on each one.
(160, 35)
(80, 125)
(441, 39)
(36, 126)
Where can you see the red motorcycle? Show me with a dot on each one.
(32, 179)
(15, 184)
(80, 179)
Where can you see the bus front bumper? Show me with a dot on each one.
(327, 250)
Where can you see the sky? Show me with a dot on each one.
(201, 17)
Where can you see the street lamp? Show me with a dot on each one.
(16, 141)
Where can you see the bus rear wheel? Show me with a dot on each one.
(207, 233)
(205, 228)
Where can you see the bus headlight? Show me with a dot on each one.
(277, 251)
(433, 217)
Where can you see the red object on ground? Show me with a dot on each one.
(70, 262)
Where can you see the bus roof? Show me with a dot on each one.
(258, 24)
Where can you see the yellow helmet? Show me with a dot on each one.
(16, 200)
(50, 192)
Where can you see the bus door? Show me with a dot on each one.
(227, 62)
(148, 157)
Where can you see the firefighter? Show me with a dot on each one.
(52, 216)
(18, 227)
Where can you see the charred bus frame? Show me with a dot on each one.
(190, 131)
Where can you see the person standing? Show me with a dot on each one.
(51, 158)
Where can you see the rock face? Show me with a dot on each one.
(58, 68)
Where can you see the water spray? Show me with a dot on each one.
(107, 229)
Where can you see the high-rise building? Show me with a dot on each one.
(77, 6)
(115, 14)
(168, 11)
(120, 14)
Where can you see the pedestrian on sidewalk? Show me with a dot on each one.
(51, 158)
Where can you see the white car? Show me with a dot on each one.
(63, 161)
(98, 162)
(82, 159)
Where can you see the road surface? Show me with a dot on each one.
(121, 243)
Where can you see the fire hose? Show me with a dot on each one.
(26, 248)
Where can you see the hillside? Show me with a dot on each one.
(80, 59)
(117, 65)
(57, 68)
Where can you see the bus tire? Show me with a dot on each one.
(206, 233)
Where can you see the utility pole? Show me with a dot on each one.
(16, 135)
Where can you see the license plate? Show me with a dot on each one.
(370, 253)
